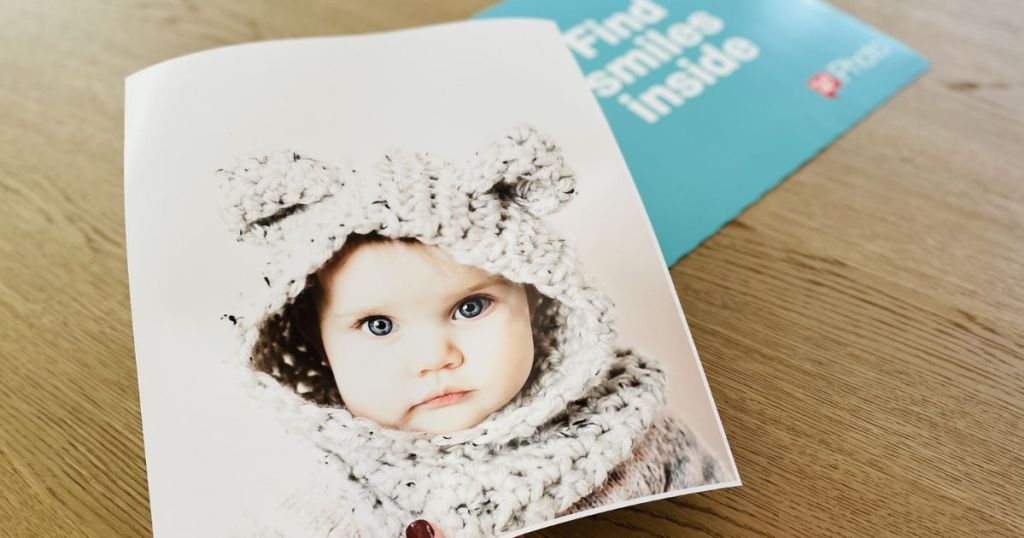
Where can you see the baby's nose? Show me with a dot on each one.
(436, 352)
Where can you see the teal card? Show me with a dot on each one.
(714, 102)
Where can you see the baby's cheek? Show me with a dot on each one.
(502, 350)
(371, 387)
(518, 337)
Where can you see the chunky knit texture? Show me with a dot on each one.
(587, 428)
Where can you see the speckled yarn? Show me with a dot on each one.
(587, 429)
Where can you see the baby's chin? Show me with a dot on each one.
(448, 420)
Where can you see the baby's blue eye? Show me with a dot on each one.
(472, 307)
(378, 326)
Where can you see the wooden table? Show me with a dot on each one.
(862, 326)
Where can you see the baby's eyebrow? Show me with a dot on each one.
(382, 309)
(357, 313)
(492, 280)
(363, 310)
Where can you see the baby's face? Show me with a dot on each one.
(420, 342)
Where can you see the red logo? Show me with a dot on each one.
(825, 84)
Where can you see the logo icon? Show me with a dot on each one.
(825, 84)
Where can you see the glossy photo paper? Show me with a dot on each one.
(384, 278)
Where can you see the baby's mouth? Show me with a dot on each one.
(443, 398)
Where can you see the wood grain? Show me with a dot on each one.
(862, 326)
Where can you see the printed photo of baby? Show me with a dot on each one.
(442, 347)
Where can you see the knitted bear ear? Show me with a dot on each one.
(262, 190)
(527, 169)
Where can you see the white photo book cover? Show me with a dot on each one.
(401, 279)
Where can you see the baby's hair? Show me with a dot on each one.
(290, 347)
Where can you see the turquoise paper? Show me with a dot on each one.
(703, 161)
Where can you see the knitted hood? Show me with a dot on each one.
(576, 418)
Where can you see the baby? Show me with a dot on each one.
(417, 341)
(443, 348)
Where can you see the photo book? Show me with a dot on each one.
(408, 276)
